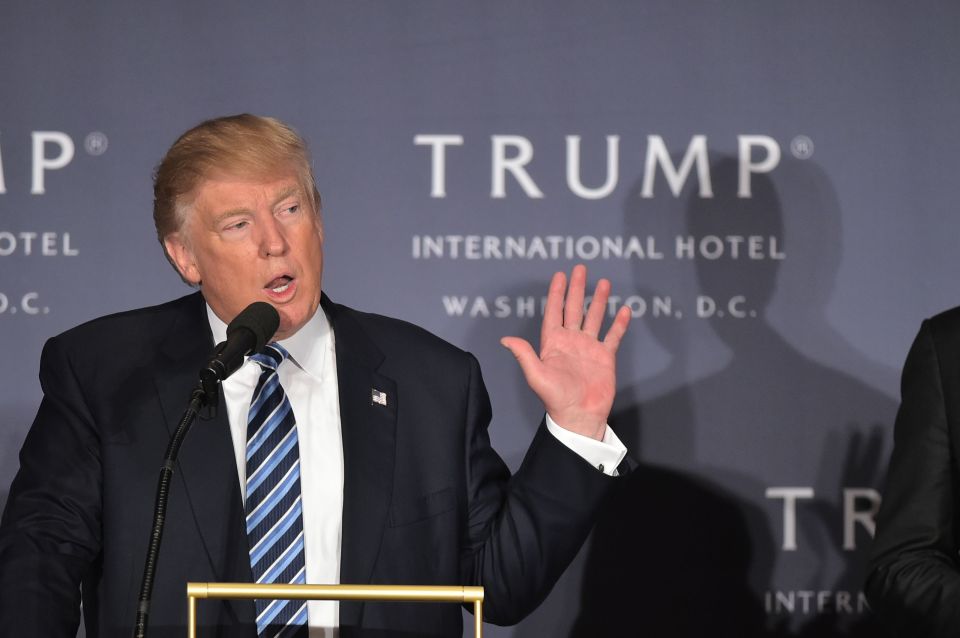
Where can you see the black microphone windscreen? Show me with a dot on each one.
(261, 319)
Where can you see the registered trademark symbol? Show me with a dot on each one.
(801, 147)
(95, 143)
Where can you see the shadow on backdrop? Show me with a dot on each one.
(689, 547)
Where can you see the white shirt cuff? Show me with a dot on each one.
(605, 455)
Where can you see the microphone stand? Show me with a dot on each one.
(205, 394)
(248, 332)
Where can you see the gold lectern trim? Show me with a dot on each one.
(395, 593)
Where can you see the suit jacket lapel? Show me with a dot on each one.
(368, 403)
(207, 468)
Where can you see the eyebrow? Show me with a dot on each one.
(285, 193)
(235, 212)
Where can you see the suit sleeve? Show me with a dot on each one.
(523, 530)
(914, 582)
(50, 530)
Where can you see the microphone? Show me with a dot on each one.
(248, 333)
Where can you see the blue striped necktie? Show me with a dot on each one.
(273, 505)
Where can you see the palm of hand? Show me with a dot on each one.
(575, 372)
(577, 379)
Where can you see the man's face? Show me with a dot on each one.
(246, 240)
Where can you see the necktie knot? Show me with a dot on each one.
(271, 357)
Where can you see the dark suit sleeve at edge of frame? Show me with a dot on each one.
(523, 530)
(914, 582)
(50, 531)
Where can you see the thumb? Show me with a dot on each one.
(524, 353)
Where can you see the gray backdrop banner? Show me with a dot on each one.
(767, 185)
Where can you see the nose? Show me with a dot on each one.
(273, 242)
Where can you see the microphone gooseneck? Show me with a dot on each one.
(248, 333)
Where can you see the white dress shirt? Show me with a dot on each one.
(311, 387)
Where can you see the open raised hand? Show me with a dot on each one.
(575, 373)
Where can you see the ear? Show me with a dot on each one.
(183, 257)
(318, 222)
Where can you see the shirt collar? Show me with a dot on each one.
(309, 346)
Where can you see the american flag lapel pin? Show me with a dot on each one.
(378, 396)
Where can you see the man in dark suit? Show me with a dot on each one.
(399, 482)
(914, 574)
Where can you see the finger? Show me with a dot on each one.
(525, 355)
(617, 329)
(553, 310)
(591, 325)
(573, 307)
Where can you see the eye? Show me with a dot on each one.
(235, 227)
(289, 211)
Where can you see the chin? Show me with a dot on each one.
(288, 326)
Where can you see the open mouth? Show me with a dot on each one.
(279, 285)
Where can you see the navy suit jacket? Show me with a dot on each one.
(426, 499)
